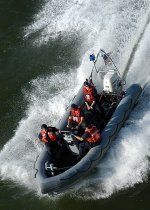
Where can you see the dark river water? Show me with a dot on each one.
(44, 49)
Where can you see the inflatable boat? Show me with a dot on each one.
(69, 170)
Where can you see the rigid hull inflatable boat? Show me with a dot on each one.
(68, 171)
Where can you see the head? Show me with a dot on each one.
(52, 130)
(86, 84)
(74, 106)
(89, 126)
(44, 127)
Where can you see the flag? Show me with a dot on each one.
(92, 57)
(106, 57)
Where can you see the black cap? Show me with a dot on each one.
(86, 84)
(89, 126)
(44, 126)
(74, 106)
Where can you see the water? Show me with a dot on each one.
(44, 59)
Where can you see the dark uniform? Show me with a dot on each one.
(93, 110)
(54, 142)
(90, 138)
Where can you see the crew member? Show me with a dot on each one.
(76, 118)
(90, 95)
(89, 139)
(53, 140)
(94, 113)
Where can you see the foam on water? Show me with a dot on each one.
(114, 25)
(47, 103)
(139, 70)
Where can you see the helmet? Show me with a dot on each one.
(44, 126)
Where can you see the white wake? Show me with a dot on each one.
(116, 26)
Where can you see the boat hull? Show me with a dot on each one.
(68, 178)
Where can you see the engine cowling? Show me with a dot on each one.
(112, 83)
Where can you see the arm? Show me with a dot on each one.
(40, 136)
(83, 137)
(82, 118)
(88, 107)
(78, 138)
(69, 120)
(92, 104)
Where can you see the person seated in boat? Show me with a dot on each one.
(76, 119)
(53, 140)
(89, 139)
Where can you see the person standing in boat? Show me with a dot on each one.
(89, 139)
(76, 119)
(53, 140)
(92, 105)
(90, 95)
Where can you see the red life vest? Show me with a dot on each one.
(44, 136)
(76, 114)
(52, 136)
(95, 134)
(88, 94)
(48, 136)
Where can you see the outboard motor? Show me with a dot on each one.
(112, 83)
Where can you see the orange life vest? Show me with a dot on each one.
(52, 136)
(95, 134)
(48, 136)
(88, 94)
(76, 114)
